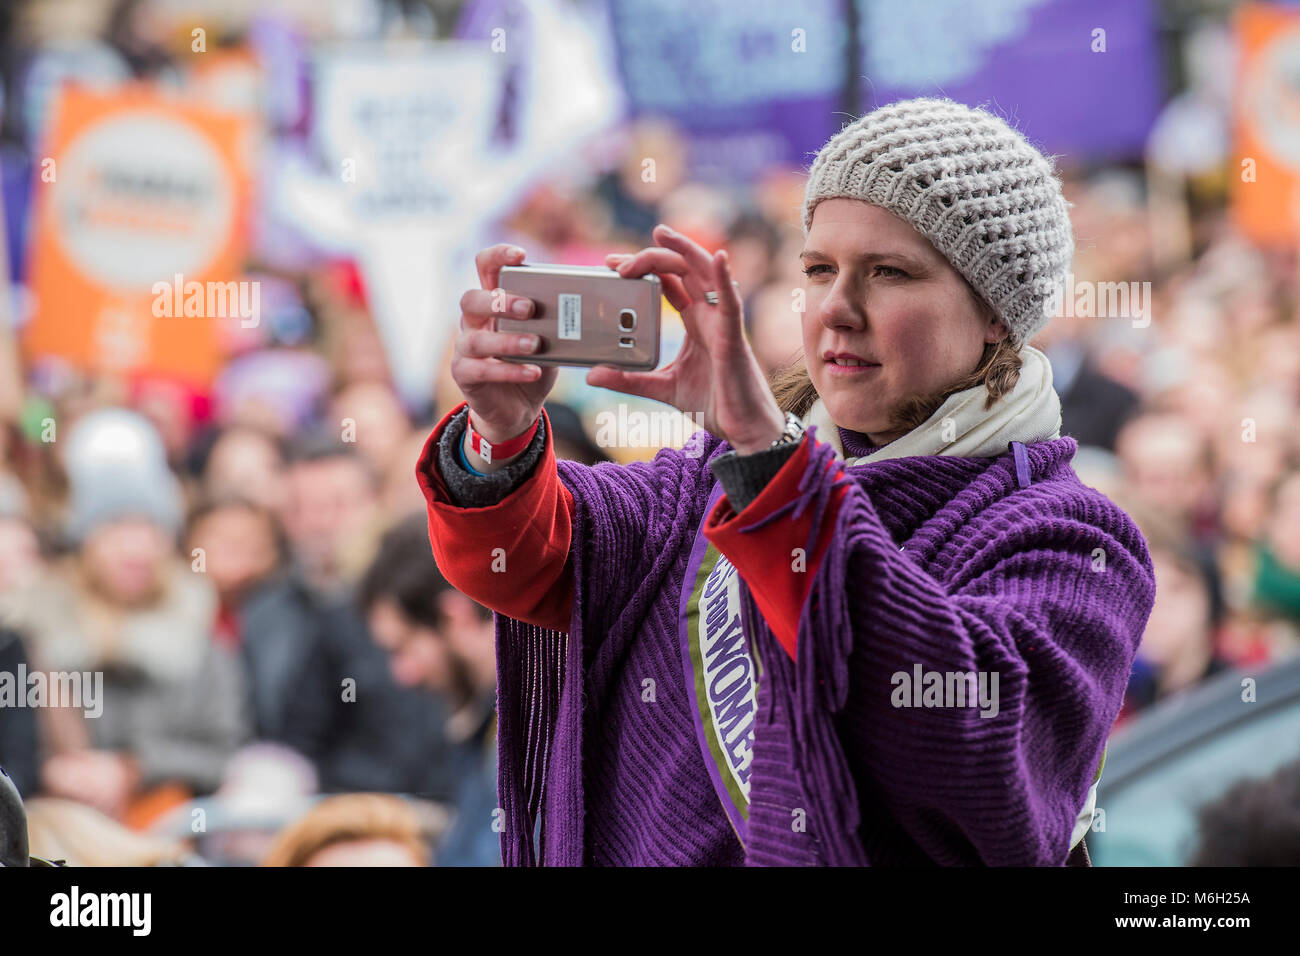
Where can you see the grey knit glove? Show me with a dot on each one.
(744, 476)
(468, 490)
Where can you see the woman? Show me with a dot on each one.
(899, 637)
(162, 706)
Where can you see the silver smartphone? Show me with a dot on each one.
(585, 315)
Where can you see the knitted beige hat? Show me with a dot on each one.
(972, 185)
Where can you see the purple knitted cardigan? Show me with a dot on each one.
(1007, 565)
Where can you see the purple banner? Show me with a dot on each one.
(760, 83)
(1078, 77)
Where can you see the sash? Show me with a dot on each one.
(722, 671)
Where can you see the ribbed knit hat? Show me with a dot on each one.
(974, 186)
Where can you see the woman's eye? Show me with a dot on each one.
(812, 270)
(892, 271)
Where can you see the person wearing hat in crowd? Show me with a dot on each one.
(123, 608)
(870, 615)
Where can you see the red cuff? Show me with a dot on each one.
(513, 556)
(771, 558)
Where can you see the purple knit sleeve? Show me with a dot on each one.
(631, 516)
(629, 523)
(1049, 589)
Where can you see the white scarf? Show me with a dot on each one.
(1030, 412)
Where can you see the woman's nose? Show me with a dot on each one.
(838, 310)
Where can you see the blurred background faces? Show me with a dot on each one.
(235, 236)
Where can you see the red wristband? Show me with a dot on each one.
(487, 451)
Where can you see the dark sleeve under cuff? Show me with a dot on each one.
(744, 476)
(468, 490)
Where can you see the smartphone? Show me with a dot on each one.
(585, 315)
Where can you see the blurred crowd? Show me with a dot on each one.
(287, 679)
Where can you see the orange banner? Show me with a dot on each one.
(1266, 180)
(139, 235)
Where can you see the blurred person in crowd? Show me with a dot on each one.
(1276, 360)
(264, 613)
(399, 499)
(19, 745)
(572, 441)
(276, 390)
(1258, 437)
(331, 512)
(356, 349)
(138, 30)
(1168, 464)
(1179, 647)
(363, 730)
(752, 242)
(440, 640)
(367, 829)
(352, 345)
(1254, 451)
(778, 192)
(373, 418)
(123, 604)
(171, 407)
(1093, 405)
(1198, 387)
(775, 332)
(1112, 225)
(633, 189)
(1275, 585)
(21, 560)
(700, 212)
(1255, 823)
(266, 787)
(317, 683)
(562, 220)
(1098, 468)
(32, 482)
(246, 463)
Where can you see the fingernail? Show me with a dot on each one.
(528, 342)
(519, 308)
(516, 251)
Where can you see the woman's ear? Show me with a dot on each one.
(995, 330)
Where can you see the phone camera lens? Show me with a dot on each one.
(627, 320)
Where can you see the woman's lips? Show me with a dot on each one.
(834, 369)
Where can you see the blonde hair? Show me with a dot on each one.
(342, 819)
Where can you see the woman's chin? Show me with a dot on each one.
(855, 417)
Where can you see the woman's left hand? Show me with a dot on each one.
(715, 377)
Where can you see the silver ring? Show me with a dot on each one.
(711, 298)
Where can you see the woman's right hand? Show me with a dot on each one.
(504, 398)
